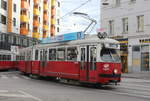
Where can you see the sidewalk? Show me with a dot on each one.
(145, 76)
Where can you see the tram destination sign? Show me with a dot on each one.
(64, 37)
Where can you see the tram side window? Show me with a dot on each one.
(82, 58)
(82, 54)
(72, 54)
(9, 57)
(4, 57)
(52, 54)
(61, 54)
(0, 57)
(17, 57)
(41, 55)
(93, 58)
(45, 55)
(36, 54)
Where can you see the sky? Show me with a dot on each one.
(73, 23)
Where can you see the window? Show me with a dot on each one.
(140, 23)
(93, 56)
(132, 1)
(36, 54)
(72, 54)
(117, 2)
(61, 54)
(58, 4)
(14, 21)
(136, 48)
(109, 55)
(125, 25)
(3, 4)
(111, 27)
(3, 19)
(15, 7)
(57, 29)
(52, 54)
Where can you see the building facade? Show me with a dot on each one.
(9, 16)
(39, 19)
(128, 21)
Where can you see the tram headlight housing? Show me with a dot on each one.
(115, 71)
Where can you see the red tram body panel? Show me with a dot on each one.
(92, 61)
(4, 65)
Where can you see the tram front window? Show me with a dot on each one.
(109, 55)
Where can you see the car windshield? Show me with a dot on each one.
(109, 55)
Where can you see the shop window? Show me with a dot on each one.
(136, 48)
(145, 58)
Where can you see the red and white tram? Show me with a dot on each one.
(6, 60)
(90, 60)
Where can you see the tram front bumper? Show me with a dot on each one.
(109, 78)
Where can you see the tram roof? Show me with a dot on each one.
(87, 40)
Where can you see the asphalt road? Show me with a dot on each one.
(17, 87)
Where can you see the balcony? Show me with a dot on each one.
(24, 5)
(36, 23)
(45, 1)
(45, 7)
(36, 12)
(24, 18)
(45, 27)
(23, 31)
(45, 17)
(53, 12)
(44, 35)
(36, 2)
(53, 21)
(35, 35)
(52, 30)
(53, 2)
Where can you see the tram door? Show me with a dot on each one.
(28, 63)
(92, 63)
(88, 64)
(83, 64)
(43, 60)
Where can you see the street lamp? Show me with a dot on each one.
(84, 15)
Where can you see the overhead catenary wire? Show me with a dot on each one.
(70, 12)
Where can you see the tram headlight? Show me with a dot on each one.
(115, 71)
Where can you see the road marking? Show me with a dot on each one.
(13, 95)
(135, 85)
(29, 95)
(25, 77)
(135, 88)
(3, 91)
(4, 77)
(15, 77)
(128, 94)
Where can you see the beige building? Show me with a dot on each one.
(128, 21)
